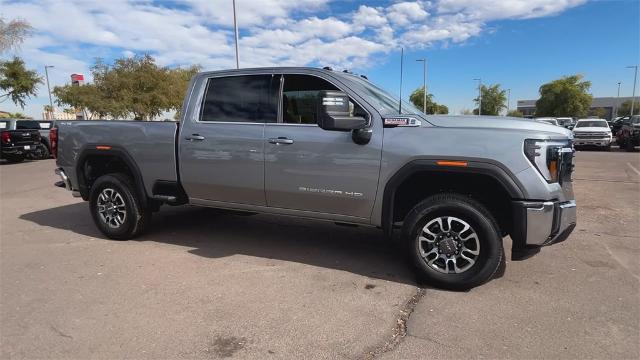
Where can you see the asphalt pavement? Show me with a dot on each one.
(204, 283)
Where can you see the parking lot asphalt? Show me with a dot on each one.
(209, 284)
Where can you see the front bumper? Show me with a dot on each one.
(540, 223)
(592, 142)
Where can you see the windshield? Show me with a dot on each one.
(597, 123)
(384, 101)
(4, 124)
(552, 122)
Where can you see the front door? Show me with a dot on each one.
(222, 148)
(311, 169)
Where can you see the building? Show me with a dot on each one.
(609, 104)
(57, 115)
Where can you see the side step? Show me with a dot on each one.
(165, 198)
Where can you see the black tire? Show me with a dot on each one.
(42, 153)
(119, 227)
(15, 159)
(628, 144)
(489, 241)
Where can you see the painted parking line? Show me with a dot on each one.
(633, 168)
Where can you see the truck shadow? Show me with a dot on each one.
(217, 234)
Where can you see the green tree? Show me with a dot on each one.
(625, 108)
(466, 112)
(599, 112)
(131, 87)
(417, 98)
(515, 113)
(14, 116)
(12, 33)
(564, 97)
(494, 100)
(16, 82)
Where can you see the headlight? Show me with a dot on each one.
(548, 157)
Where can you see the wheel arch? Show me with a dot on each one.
(490, 171)
(107, 159)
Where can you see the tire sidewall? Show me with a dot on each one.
(488, 235)
(120, 185)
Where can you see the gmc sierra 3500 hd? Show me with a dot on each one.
(329, 145)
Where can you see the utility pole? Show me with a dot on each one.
(424, 84)
(508, 101)
(479, 80)
(615, 109)
(401, 72)
(235, 26)
(46, 73)
(633, 97)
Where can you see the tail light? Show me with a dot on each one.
(53, 142)
(6, 137)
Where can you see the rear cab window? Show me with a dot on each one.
(241, 99)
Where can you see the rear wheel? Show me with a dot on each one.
(116, 208)
(453, 242)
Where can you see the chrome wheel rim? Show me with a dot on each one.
(448, 245)
(111, 208)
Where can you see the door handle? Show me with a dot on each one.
(195, 137)
(281, 141)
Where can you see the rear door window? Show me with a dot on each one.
(246, 98)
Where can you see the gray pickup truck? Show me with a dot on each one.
(332, 146)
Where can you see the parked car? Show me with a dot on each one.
(332, 146)
(628, 134)
(19, 140)
(551, 121)
(566, 122)
(592, 132)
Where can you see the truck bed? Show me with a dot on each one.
(149, 144)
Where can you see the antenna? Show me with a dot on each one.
(401, 66)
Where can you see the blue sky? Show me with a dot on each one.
(519, 44)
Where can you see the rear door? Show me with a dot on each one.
(221, 148)
(311, 169)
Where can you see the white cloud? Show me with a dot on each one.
(70, 33)
(405, 13)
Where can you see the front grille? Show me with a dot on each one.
(590, 135)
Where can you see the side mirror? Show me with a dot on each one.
(333, 112)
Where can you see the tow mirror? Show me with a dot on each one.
(334, 114)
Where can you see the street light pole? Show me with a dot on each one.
(508, 101)
(615, 109)
(235, 26)
(424, 84)
(479, 80)
(633, 97)
(46, 73)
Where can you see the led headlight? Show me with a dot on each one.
(547, 156)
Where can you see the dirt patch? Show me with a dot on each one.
(227, 346)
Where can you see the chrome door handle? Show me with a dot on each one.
(195, 137)
(281, 141)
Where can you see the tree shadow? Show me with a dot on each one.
(217, 234)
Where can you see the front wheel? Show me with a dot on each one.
(453, 242)
(116, 208)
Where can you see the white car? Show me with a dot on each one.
(548, 120)
(592, 132)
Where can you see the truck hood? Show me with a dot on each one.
(591, 129)
(497, 122)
